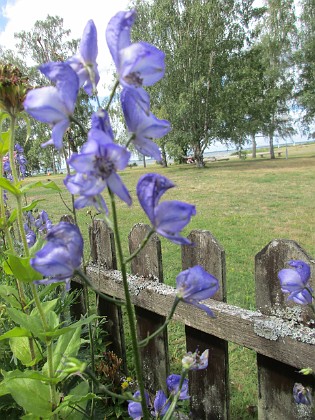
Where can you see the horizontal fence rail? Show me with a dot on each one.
(280, 332)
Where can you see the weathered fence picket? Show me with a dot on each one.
(279, 332)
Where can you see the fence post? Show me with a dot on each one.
(103, 253)
(209, 388)
(276, 379)
(148, 263)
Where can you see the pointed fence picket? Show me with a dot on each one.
(280, 332)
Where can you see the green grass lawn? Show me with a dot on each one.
(245, 204)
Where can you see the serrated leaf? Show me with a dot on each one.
(71, 327)
(20, 268)
(77, 396)
(50, 185)
(27, 374)
(32, 324)
(32, 395)
(7, 185)
(20, 347)
(10, 295)
(16, 332)
(68, 345)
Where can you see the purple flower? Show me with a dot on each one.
(173, 382)
(101, 159)
(295, 282)
(88, 187)
(30, 238)
(169, 217)
(160, 404)
(196, 284)
(134, 408)
(43, 223)
(54, 104)
(84, 63)
(195, 361)
(100, 121)
(138, 64)
(61, 255)
(141, 125)
(301, 394)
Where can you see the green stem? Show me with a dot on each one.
(130, 312)
(112, 95)
(145, 342)
(141, 246)
(11, 151)
(51, 372)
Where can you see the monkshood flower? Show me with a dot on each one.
(54, 104)
(84, 63)
(101, 159)
(30, 238)
(173, 382)
(88, 187)
(61, 255)
(43, 223)
(196, 284)
(138, 64)
(301, 394)
(295, 281)
(161, 405)
(195, 361)
(100, 121)
(134, 407)
(169, 217)
(142, 126)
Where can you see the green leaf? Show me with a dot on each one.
(27, 374)
(31, 206)
(71, 327)
(20, 268)
(4, 143)
(20, 347)
(32, 324)
(50, 185)
(31, 394)
(16, 332)
(7, 185)
(78, 396)
(67, 345)
(10, 295)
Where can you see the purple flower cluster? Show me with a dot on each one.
(301, 394)
(295, 281)
(19, 159)
(61, 255)
(138, 64)
(161, 402)
(42, 225)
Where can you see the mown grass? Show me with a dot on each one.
(245, 204)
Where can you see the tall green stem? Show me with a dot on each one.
(130, 312)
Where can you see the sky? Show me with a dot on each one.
(19, 15)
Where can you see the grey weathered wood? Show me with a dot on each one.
(103, 255)
(148, 263)
(209, 389)
(286, 341)
(276, 379)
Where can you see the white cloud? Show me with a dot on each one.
(22, 14)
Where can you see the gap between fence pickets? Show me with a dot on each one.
(287, 341)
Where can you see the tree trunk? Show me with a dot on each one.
(198, 155)
(164, 157)
(271, 148)
(254, 144)
(144, 162)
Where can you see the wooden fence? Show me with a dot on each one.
(281, 333)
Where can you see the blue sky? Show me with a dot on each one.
(3, 20)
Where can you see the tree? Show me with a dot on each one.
(47, 41)
(202, 40)
(305, 59)
(277, 42)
